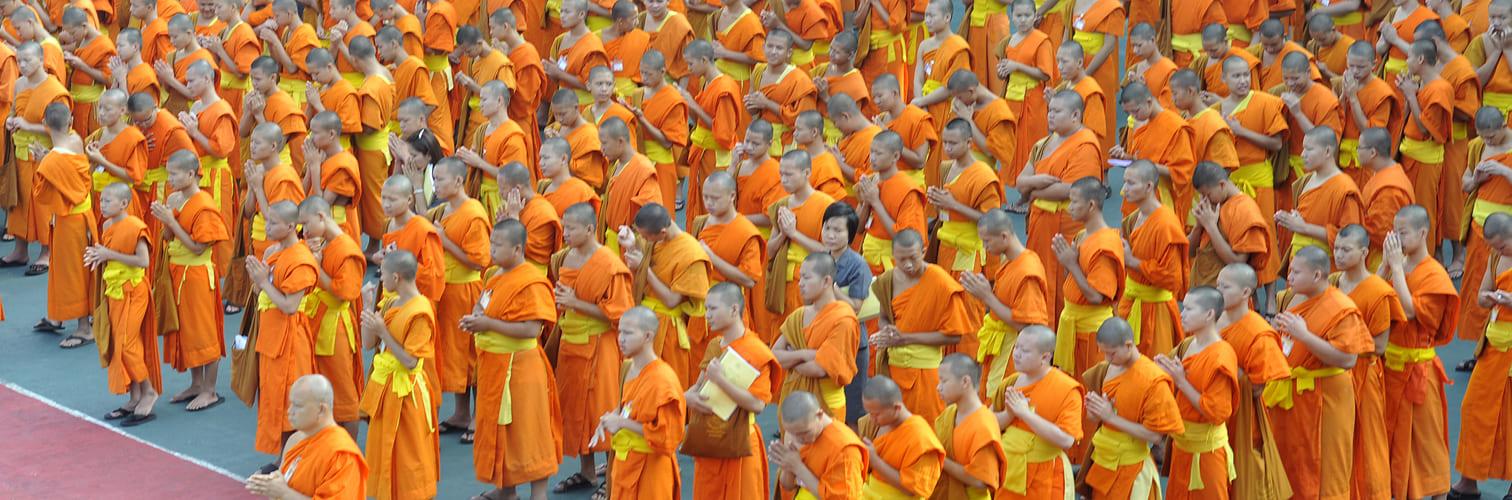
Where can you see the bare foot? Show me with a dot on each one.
(204, 401)
(144, 407)
(183, 396)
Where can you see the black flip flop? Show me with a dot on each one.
(1459, 495)
(467, 437)
(213, 404)
(448, 428)
(12, 263)
(1465, 366)
(8, 237)
(230, 310)
(36, 270)
(136, 420)
(83, 341)
(117, 414)
(185, 399)
(45, 325)
(573, 483)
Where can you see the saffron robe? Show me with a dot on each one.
(935, 303)
(1077, 156)
(1247, 231)
(29, 104)
(60, 192)
(738, 243)
(973, 441)
(519, 420)
(632, 186)
(710, 143)
(468, 228)
(744, 477)
(419, 237)
(1100, 256)
(403, 449)
(1144, 394)
(666, 110)
(1167, 140)
(1435, 100)
(1057, 397)
(284, 345)
(1161, 246)
(588, 359)
(653, 398)
(834, 334)
(567, 194)
(326, 464)
(1264, 114)
(200, 337)
(133, 341)
(1381, 310)
(1026, 96)
(1416, 407)
(681, 264)
(1333, 204)
(1387, 191)
(839, 459)
(338, 177)
(1020, 284)
(375, 98)
(1214, 372)
(343, 262)
(912, 449)
(1486, 412)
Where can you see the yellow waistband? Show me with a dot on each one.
(578, 328)
(737, 71)
(876, 489)
(211, 170)
(802, 57)
(1423, 151)
(228, 81)
(1239, 32)
(1395, 66)
(1112, 449)
(704, 138)
(877, 251)
(1190, 43)
(918, 356)
(1300, 241)
(1499, 335)
(338, 312)
(498, 343)
(677, 315)
(1398, 357)
(1018, 86)
(404, 382)
(1199, 438)
(980, 11)
(1051, 206)
(458, 273)
(1091, 41)
(117, 274)
(83, 206)
(795, 255)
(626, 441)
(295, 88)
(376, 140)
(1280, 392)
(1350, 19)
(1349, 153)
(86, 93)
(656, 152)
(1483, 208)
(1143, 294)
(1023, 448)
(438, 63)
(353, 77)
(1250, 178)
(968, 244)
(22, 140)
(1497, 100)
(1076, 318)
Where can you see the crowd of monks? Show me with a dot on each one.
(618, 230)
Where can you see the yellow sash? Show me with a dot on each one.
(1349, 153)
(626, 441)
(1280, 392)
(1459, 131)
(1398, 357)
(1395, 65)
(376, 140)
(1239, 32)
(211, 170)
(992, 336)
(1300, 241)
(802, 57)
(1253, 177)
(981, 11)
(179, 255)
(438, 63)
(1499, 336)
(657, 153)
(1051, 206)
(353, 77)
(922, 357)
(1199, 438)
(295, 88)
(23, 141)
(677, 315)
(1349, 19)
(803, 494)
(83, 206)
(877, 251)
(1498, 100)
(1423, 151)
(1076, 318)
(1024, 448)
(795, 255)
(155, 180)
(86, 93)
(229, 81)
(1142, 294)
(1112, 449)
(498, 343)
(1190, 43)
(457, 273)
(404, 382)
(117, 274)
(1484, 208)
(704, 138)
(578, 328)
(1018, 85)
(338, 312)
(876, 489)
(740, 72)
(1091, 41)
(963, 237)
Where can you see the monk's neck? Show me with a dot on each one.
(580, 31)
(115, 127)
(403, 218)
(1207, 336)
(1379, 165)
(587, 248)
(777, 68)
(641, 358)
(1015, 249)
(1233, 315)
(841, 67)
(1095, 223)
(1415, 256)
(269, 163)
(967, 405)
(723, 217)
(289, 241)
(406, 293)
(1354, 274)
(1327, 171)
(802, 195)
(118, 217)
(455, 203)
(732, 333)
(823, 301)
(560, 179)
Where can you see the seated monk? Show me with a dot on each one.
(1017, 297)
(817, 454)
(1132, 402)
(334, 307)
(646, 429)
(906, 457)
(975, 463)
(1205, 370)
(61, 196)
(1040, 410)
(819, 341)
(281, 277)
(923, 313)
(1095, 278)
(124, 250)
(320, 461)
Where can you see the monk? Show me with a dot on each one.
(1205, 370)
(1026, 63)
(1212, 139)
(269, 181)
(1156, 263)
(331, 172)
(1385, 193)
(1095, 276)
(796, 221)
(1272, 51)
(662, 119)
(343, 23)
(1073, 76)
(520, 439)
(1477, 453)
(375, 99)
(1416, 413)
(543, 227)
(35, 90)
(819, 341)
(61, 194)
(1217, 47)
(817, 454)
(1367, 102)
(438, 42)
(718, 112)
(1070, 153)
(88, 63)
(939, 58)
(1381, 311)
(403, 451)
(738, 37)
(1429, 112)
(152, 26)
(1314, 428)
(1229, 229)
(118, 150)
(671, 32)
(1398, 38)
(992, 126)
(193, 223)
(332, 307)
(269, 104)
(1461, 76)
(825, 175)
(557, 185)
(408, 231)
(1187, 19)
(974, 464)
(391, 14)
(593, 293)
(497, 142)
(128, 70)
(124, 250)
(631, 180)
(840, 76)
(485, 64)
(320, 460)
(1153, 69)
(970, 188)
(235, 46)
(172, 71)
(854, 148)
(646, 429)
(1490, 188)
(281, 278)
(913, 124)
(1097, 26)
(924, 314)
(575, 52)
(1040, 410)
(1308, 106)
(328, 91)
(1329, 44)
(1259, 130)
(624, 41)
(891, 202)
(212, 124)
(589, 162)
(1326, 198)
(1132, 401)
(905, 457)
(1257, 348)
(736, 251)
(779, 91)
(413, 80)
(463, 226)
(744, 477)
(289, 40)
(1164, 139)
(1015, 298)
(671, 277)
(1485, 53)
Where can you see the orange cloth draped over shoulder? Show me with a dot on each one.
(888, 51)
(567, 194)
(1270, 74)
(838, 458)
(1020, 284)
(1212, 71)
(1160, 243)
(912, 449)
(935, 303)
(1264, 114)
(936, 65)
(1214, 372)
(746, 477)
(1381, 310)
(29, 105)
(1077, 156)
(519, 421)
(1333, 203)
(327, 464)
(588, 162)
(793, 91)
(1212, 139)
(904, 200)
(133, 331)
(96, 54)
(1382, 108)
(681, 264)
(1093, 28)
(834, 334)
(670, 36)
(403, 449)
(1187, 18)
(588, 360)
(974, 442)
(200, 337)
(338, 179)
(491, 66)
(343, 262)
(1247, 231)
(1387, 191)
(1143, 394)
(669, 114)
(826, 177)
(1101, 260)
(419, 237)
(1436, 107)
(1169, 141)
(468, 227)
(1056, 397)
(506, 143)
(1416, 407)
(782, 272)
(1486, 411)
(60, 192)
(128, 151)
(218, 124)
(280, 183)
(739, 244)
(586, 53)
(1315, 437)
(1095, 110)
(624, 53)
(1026, 100)
(976, 186)
(633, 185)
(710, 143)
(529, 91)
(918, 128)
(413, 79)
(1001, 126)
(654, 399)
(376, 101)
(543, 229)
(339, 98)
(284, 344)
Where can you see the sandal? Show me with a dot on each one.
(117, 414)
(448, 428)
(573, 483)
(467, 437)
(602, 492)
(231, 309)
(49, 326)
(36, 270)
(1465, 366)
(1460, 495)
(602, 470)
(213, 404)
(12, 263)
(8, 237)
(76, 341)
(487, 495)
(136, 420)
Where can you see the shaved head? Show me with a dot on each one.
(959, 365)
(1134, 92)
(1239, 274)
(1296, 62)
(640, 318)
(1498, 225)
(1353, 233)
(401, 262)
(1185, 79)
(820, 263)
(284, 211)
(726, 293)
(314, 387)
(1038, 338)
(997, 220)
(798, 407)
(1214, 33)
(1376, 139)
(1208, 174)
(1313, 258)
(1415, 217)
(580, 214)
(882, 390)
(908, 238)
(1206, 299)
(1115, 331)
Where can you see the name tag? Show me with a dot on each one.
(1081, 24)
(617, 65)
(562, 63)
(1286, 344)
(929, 68)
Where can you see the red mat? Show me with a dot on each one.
(49, 453)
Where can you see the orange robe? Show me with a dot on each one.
(1020, 284)
(419, 237)
(834, 334)
(918, 129)
(438, 39)
(997, 121)
(280, 183)
(631, 187)
(1144, 394)
(127, 150)
(97, 54)
(1416, 407)
(681, 264)
(1333, 204)
(1214, 372)
(413, 79)
(670, 36)
(1257, 348)
(1485, 413)
(1322, 108)
(667, 111)
(588, 364)
(973, 441)
(1383, 196)
(218, 124)
(468, 227)
(491, 66)
(585, 54)
(340, 98)
(1382, 109)
(588, 162)
(1168, 140)
(654, 399)
(1334, 58)
(338, 175)
(624, 53)
(985, 28)
(850, 83)
(826, 177)
(1406, 29)
(1057, 397)
(1157, 76)
(567, 194)
(936, 303)
(290, 117)
(710, 143)
(1212, 70)
(527, 94)
(1026, 96)
(740, 244)
(403, 449)
(1095, 112)
(936, 65)
(613, 109)
(758, 190)
(745, 477)
(284, 345)
(1419, 147)
(334, 320)
(743, 34)
(30, 104)
(1101, 260)
(242, 44)
(1247, 230)
(332, 465)
(1467, 100)
(519, 437)
(1212, 139)
(1187, 19)
(376, 98)
(781, 273)
(180, 62)
(1078, 156)
(1381, 311)
(133, 330)
(1105, 18)
(812, 21)
(887, 51)
(838, 458)
(903, 198)
(977, 187)
(1270, 66)
(1314, 429)
(60, 192)
(912, 449)
(543, 230)
(200, 337)
(1160, 243)
(793, 91)
(1478, 254)
(1264, 114)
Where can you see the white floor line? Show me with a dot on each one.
(208, 466)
